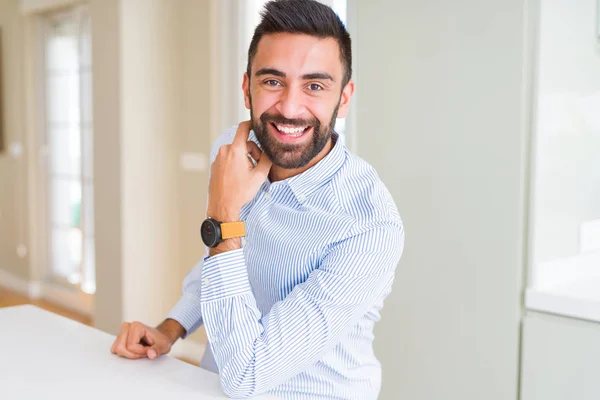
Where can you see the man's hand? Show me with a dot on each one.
(137, 340)
(234, 180)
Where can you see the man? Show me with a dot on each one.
(303, 238)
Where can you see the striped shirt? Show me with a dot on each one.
(292, 312)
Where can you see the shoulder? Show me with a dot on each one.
(224, 138)
(364, 196)
(376, 230)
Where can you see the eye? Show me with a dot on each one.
(271, 82)
(315, 87)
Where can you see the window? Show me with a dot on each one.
(67, 141)
(565, 206)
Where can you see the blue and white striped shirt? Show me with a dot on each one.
(292, 312)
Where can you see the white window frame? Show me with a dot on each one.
(35, 81)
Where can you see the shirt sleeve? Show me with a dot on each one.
(256, 353)
(188, 310)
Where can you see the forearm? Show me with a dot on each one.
(188, 310)
(225, 246)
(172, 329)
(255, 356)
(256, 352)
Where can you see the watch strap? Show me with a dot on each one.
(230, 230)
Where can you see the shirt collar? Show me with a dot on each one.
(305, 184)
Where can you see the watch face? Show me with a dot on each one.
(210, 232)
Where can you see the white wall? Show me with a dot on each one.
(567, 135)
(441, 116)
(149, 141)
(108, 313)
(13, 173)
(152, 104)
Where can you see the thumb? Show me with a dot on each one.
(158, 349)
(263, 167)
(152, 353)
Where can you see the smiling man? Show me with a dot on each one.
(303, 237)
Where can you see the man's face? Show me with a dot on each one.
(295, 95)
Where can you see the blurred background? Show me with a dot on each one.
(482, 117)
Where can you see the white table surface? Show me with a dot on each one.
(46, 356)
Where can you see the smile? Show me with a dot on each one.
(293, 131)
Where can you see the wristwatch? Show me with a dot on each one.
(214, 232)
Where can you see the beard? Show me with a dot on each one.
(292, 156)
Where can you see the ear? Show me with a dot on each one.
(345, 99)
(246, 89)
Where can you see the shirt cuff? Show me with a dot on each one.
(188, 312)
(224, 275)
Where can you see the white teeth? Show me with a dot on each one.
(291, 131)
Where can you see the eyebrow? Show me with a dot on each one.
(281, 74)
(270, 71)
(318, 75)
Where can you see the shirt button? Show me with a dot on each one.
(301, 198)
(268, 196)
(206, 281)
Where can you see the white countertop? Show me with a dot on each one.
(43, 356)
(568, 287)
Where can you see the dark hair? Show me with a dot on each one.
(304, 17)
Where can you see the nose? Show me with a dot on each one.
(290, 103)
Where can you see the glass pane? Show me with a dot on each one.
(66, 202)
(340, 6)
(340, 126)
(567, 133)
(70, 141)
(62, 98)
(61, 46)
(86, 98)
(89, 266)
(88, 212)
(88, 153)
(66, 253)
(85, 43)
(65, 147)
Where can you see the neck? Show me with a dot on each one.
(280, 174)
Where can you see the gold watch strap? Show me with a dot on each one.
(230, 230)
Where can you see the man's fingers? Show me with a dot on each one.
(147, 340)
(241, 135)
(142, 347)
(120, 345)
(127, 354)
(263, 167)
(113, 348)
(124, 328)
(134, 338)
(254, 151)
(121, 342)
(152, 353)
(138, 349)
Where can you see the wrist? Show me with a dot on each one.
(223, 215)
(225, 246)
(172, 329)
